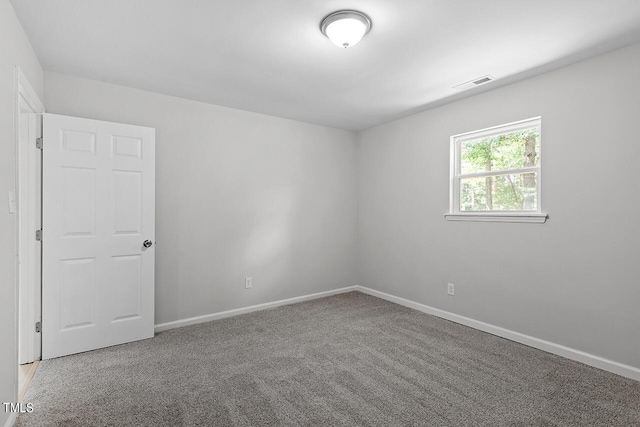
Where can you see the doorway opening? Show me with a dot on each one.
(28, 202)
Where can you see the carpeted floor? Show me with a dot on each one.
(346, 360)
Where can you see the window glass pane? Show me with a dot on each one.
(499, 152)
(515, 192)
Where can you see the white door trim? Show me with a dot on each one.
(27, 249)
(25, 90)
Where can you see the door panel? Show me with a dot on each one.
(125, 294)
(127, 191)
(77, 287)
(79, 201)
(98, 209)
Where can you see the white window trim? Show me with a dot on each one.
(539, 218)
(455, 214)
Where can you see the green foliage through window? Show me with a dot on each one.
(507, 165)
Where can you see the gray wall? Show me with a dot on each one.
(237, 194)
(14, 50)
(575, 280)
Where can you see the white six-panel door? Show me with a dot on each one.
(98, 212)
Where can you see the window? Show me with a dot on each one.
(495, 174)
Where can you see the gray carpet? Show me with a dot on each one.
(346, 360)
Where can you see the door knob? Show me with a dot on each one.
(147, 243)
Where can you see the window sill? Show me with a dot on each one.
(537, 218)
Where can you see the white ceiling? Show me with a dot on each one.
(269, 56)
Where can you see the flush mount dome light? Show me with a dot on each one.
(345, 28)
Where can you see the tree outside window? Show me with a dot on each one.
(498, 169)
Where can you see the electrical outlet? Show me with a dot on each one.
(450, 289)
(248, 282)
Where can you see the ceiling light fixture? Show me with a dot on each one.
(345, 28)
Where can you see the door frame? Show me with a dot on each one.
(28, 250)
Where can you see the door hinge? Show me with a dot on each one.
(38, 326)
(39, 143)
(39, 235)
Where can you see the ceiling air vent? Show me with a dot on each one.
(475, 82)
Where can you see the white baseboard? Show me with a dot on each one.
(11, 420)
(209, 317)
(570, 353)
